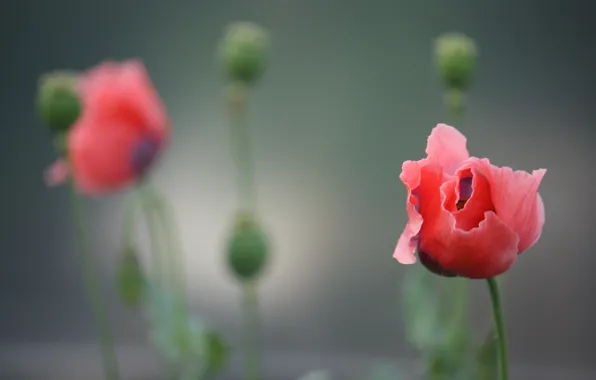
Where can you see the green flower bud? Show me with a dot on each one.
(58, 104)
(243, 51)
(131, 281)
(247, 248)
(456, 60)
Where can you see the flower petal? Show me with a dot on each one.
(538, 222)
(481, 252)
(122, 129)
(408, 242)
(101, 158)
(471, 189)
(123, 92)
(516, 199)
(57, 173)
(446, 147)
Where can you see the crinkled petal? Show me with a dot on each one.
(57, 173)
(446, 147)
(408, 241)
(123, 92)
(538, 222)
(101, 158)
(516, 199)
(477, 197)
(481, 252)
(122, 129)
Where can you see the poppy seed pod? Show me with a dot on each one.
(243, 51)
(247, 248)
(455, 55)
(58, 103)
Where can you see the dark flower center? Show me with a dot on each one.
(465, 192)
(144, 153)
(460, 204)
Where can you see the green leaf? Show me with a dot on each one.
(451, 357)
(177, 335)
(487, 359)
(217, 351)
(421, 308)
(131, 281)
(436, 314)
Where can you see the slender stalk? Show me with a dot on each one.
(247, 198)
(250, 301)
(130, 216)
(455, 103)
(165, 216)
(495, 298)
(241, 148)
(159, 266)
(91, 282)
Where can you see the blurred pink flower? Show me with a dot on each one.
(121, 131)
(466, 216)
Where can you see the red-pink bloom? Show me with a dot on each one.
(466, 216)
(121, 131)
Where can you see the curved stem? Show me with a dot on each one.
(92, 288)
(130, 216)
(250, 304)
(158, 264)
(495, 298)
(165, 216)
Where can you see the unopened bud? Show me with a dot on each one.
(243, 51)
(247, 248)
(58, 104)
(456, 55)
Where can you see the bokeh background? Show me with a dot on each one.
(350, 94)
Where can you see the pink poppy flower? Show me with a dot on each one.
(121, 131)
(466, 216)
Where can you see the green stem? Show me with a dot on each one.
(158, 264)
(247, 198)
(250, 303)
(165, 216)
(455, 102)
(92, 288)
(130, 216)
(241, 148)
(495, 297)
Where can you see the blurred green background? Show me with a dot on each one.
(350, 94)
